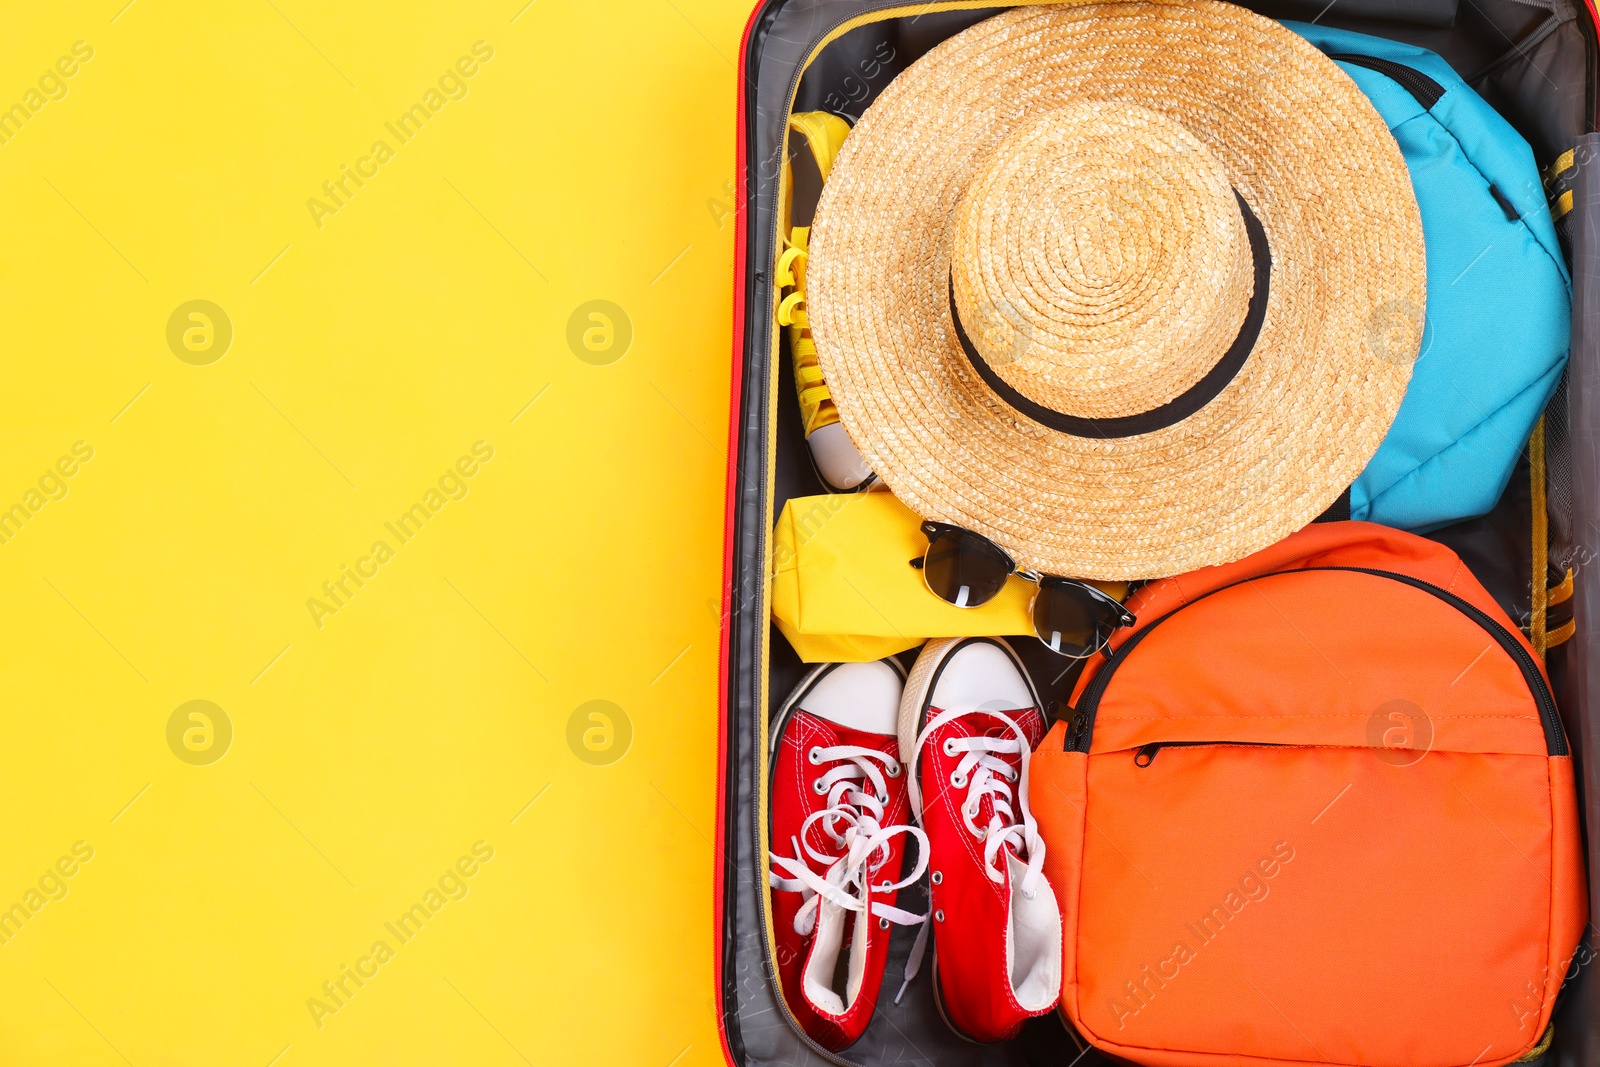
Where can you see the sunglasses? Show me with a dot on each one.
(1072, 618)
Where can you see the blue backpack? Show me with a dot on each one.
(1499, 296)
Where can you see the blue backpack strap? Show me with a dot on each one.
(1499, 293)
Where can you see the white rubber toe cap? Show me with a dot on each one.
(861, 696)
(981, 674)
(840, 465)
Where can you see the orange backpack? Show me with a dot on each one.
(1317, 808)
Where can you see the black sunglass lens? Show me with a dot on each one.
(1070, 620)
(965, 569)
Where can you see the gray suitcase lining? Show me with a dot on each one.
(1532, 59)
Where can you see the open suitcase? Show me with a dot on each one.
(1536, 61)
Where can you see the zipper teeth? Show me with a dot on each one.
(1156, 746)
(1549, 715)
(1427, 91)
(760, 815)
(1149, 752)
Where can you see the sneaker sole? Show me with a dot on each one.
(938, 1002)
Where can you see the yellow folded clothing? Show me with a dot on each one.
(844, 589)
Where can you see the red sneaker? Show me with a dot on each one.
(839, 819)
(970, 719)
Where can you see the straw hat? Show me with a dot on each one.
(1130, 288)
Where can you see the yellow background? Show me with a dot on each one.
(590, 159)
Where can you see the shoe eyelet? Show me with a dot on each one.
(817, 787)
(958, 780)
(937, 877)
(938, 916)
(949, 746)
(894, 770)
(815, 755)
(883, 924)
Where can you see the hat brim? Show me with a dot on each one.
(1303, 147)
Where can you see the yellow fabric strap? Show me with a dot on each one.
(1562, 164)
(1539, 616)
(1563, 205)
(1560, 594)
(844, 589)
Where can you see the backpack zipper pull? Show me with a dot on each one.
(1077, 726)
(1146, 754)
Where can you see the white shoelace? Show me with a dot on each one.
(852, 819)
(983, 773)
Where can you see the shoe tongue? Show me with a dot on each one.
(988, 722)
(844, 734)
(827, 735)
(856, 725)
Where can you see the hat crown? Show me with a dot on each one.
(1100, 264)
(977, 199)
